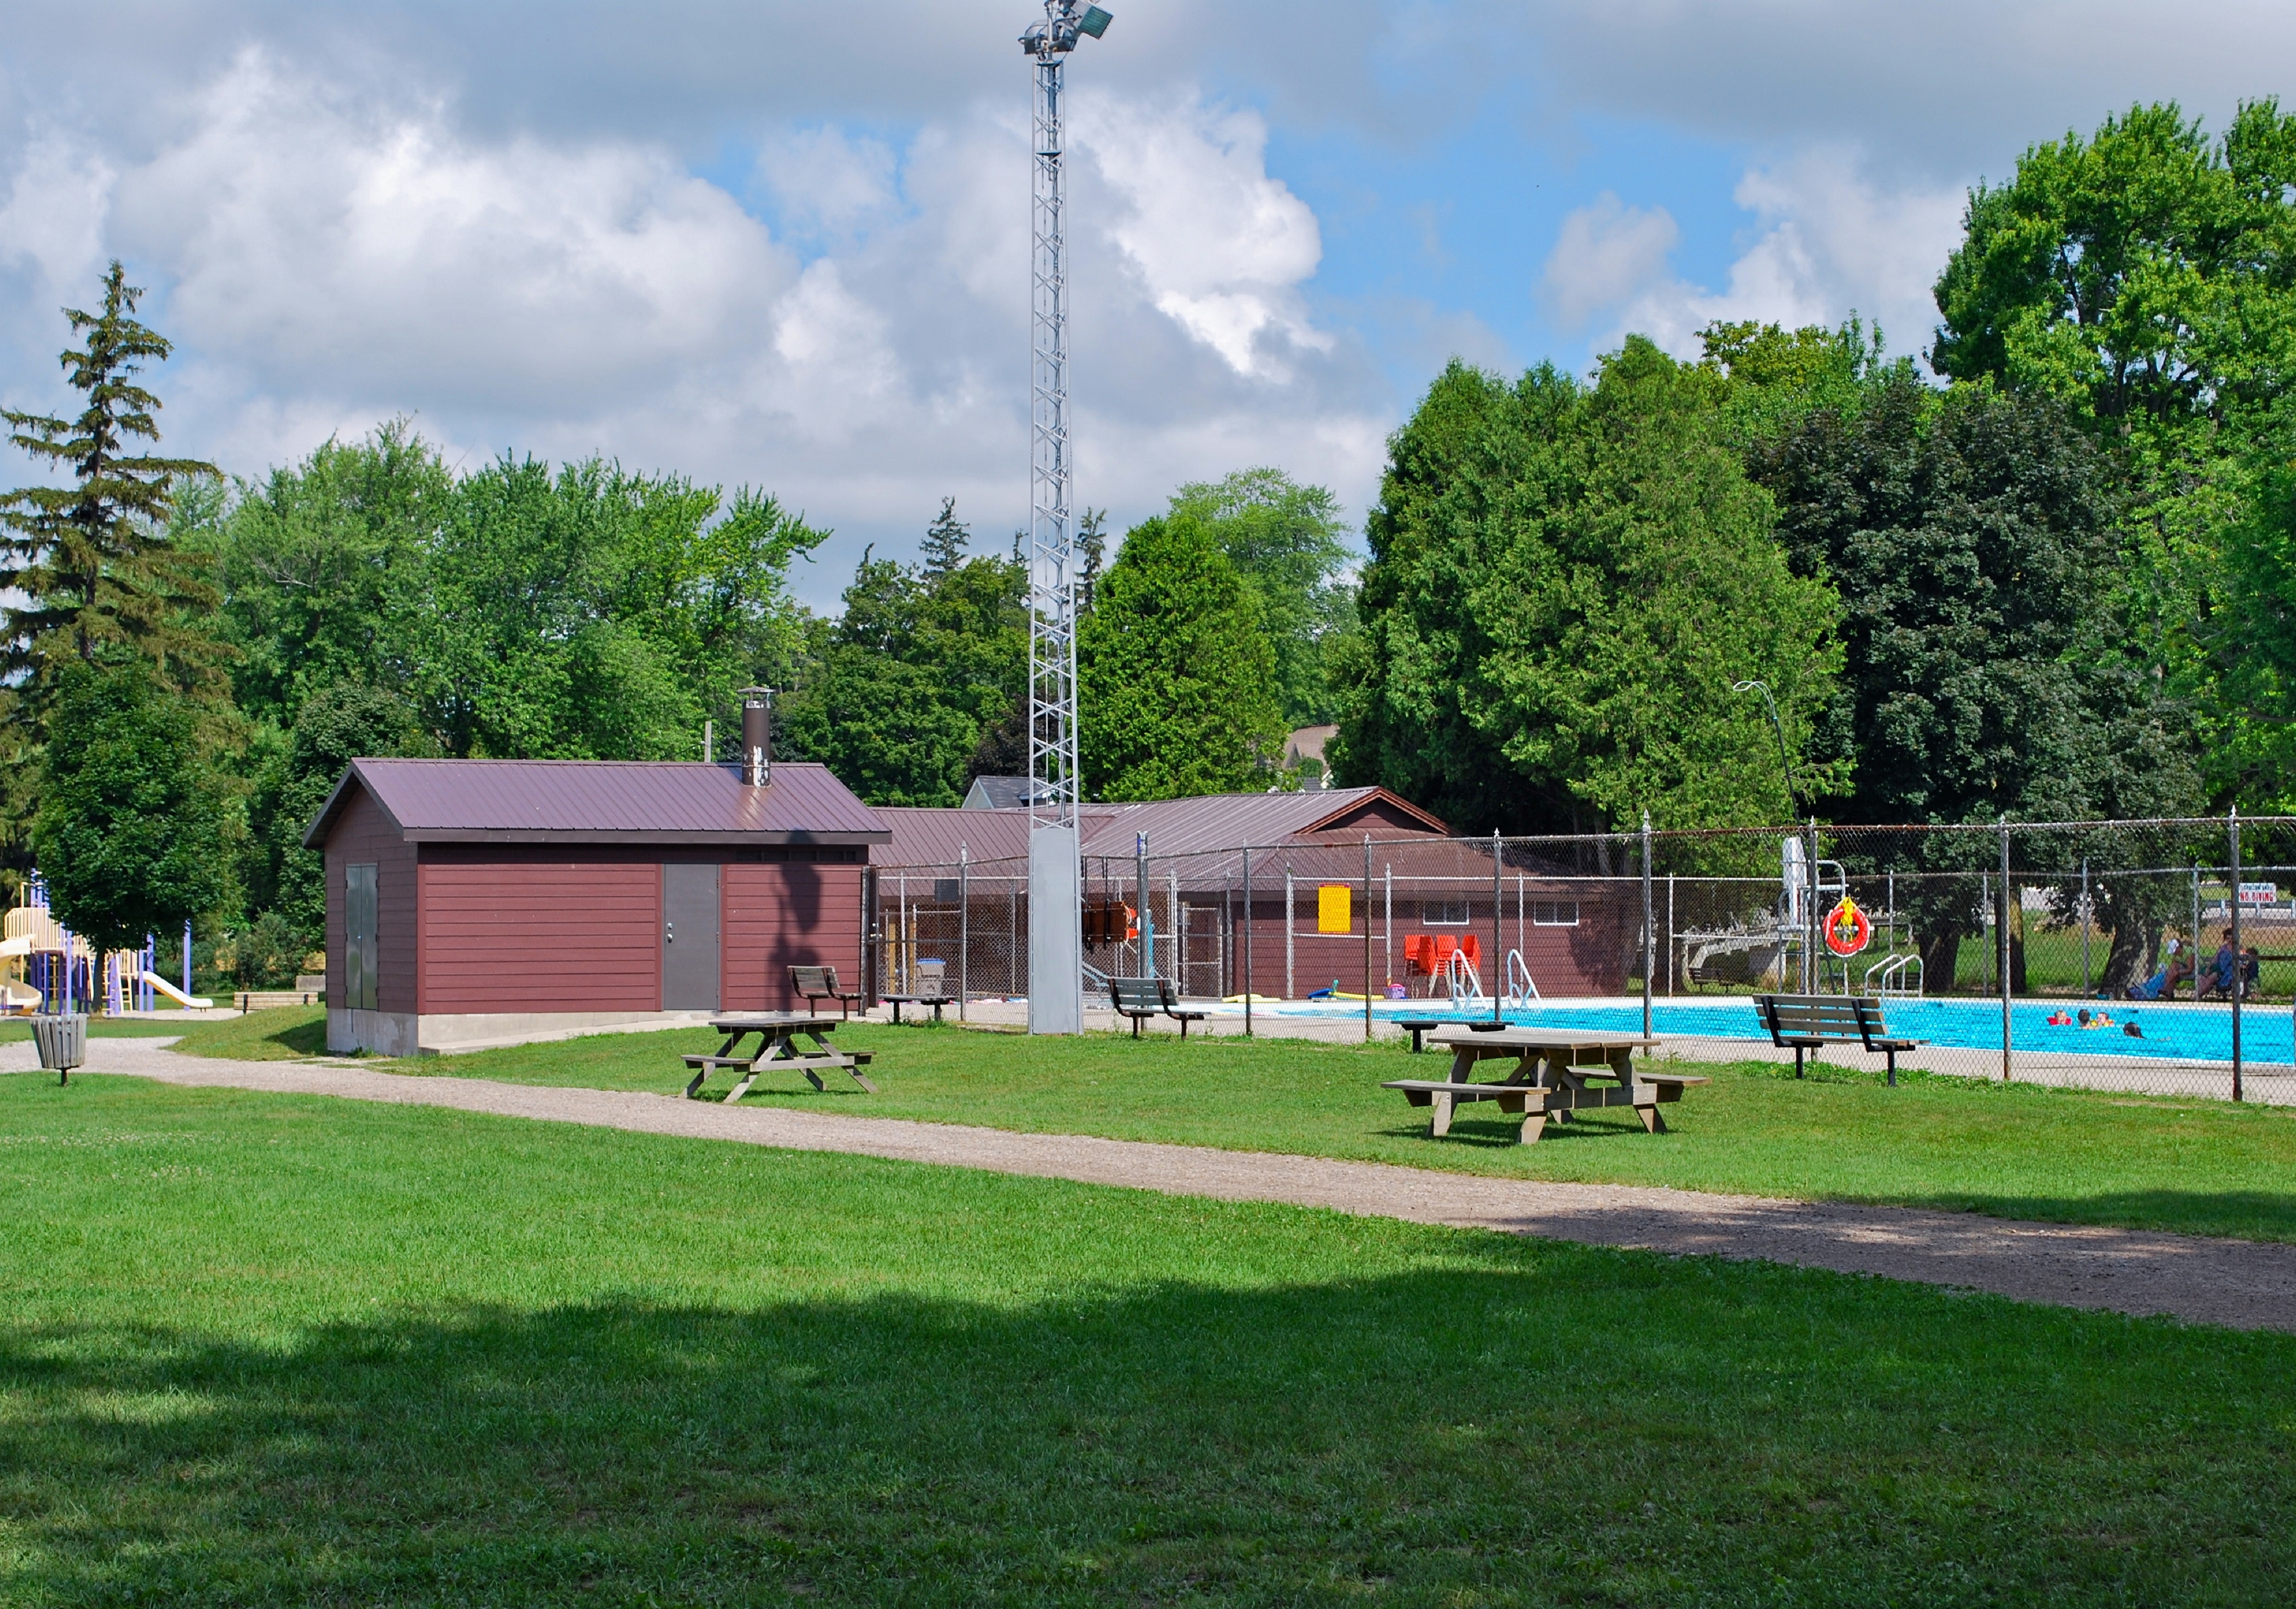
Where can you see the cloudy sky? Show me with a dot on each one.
(784, 242)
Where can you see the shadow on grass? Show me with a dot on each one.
(2239, 1214)
(1563, 1425)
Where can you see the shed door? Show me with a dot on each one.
(361, 920)
(689, 937)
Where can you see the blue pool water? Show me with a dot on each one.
(2192, 1033)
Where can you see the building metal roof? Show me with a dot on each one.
(604, 801)
(997, 793)
(1174, 826)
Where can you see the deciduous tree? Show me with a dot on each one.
(134, 832)
(1176, 670)
(1564, 583)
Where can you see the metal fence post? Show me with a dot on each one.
(1179, 928)
(1248, 981)
(1650, 928)
(1291, 897)
(2085, 914)
(1498, 931)
(1669, 935)
(1367, 937)
(2194, 936)
(2003, 921)
(1810, 913)
(963, 929)
(1146, 921)
(2239, 962)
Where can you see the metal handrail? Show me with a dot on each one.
(1891, 972)
(1466, 982)
(1517, 968)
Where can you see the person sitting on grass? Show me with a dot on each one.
(2222, 968)
(2162, 984)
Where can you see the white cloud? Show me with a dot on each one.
(829, 182)
(1605, 253)
(320, 245)
(1220, 247)
(327, 256)
(51, 226)
(1830, 242)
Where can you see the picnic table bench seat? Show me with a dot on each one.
(1141, 998)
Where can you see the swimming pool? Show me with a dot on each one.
(2171, 1032)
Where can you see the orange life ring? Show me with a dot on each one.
(1848, 929)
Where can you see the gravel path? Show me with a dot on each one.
(2244, 1284)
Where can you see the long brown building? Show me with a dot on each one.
(952, 888)
(478, 901)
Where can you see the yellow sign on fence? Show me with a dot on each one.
(1335, 908)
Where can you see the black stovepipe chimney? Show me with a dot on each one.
(756, 736)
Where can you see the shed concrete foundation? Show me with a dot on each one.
(390, 1033)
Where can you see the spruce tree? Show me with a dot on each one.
(100, 579)
(944, 540)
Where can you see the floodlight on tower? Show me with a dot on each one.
(1055, 880)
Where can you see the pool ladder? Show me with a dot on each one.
(1467, 984)
(1888, 976)
(1522, 989)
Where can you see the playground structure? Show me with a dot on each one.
(46, 968)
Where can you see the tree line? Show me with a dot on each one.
(192, 661)
(2049, 579)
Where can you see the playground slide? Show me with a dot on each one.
(12, 950)
(188, 1002)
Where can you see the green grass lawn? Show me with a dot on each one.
(2198, 1167)
(16, 1030)
(268, 1350)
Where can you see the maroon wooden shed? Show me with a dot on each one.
(495, 901)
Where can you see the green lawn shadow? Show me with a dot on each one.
(1529, 1423)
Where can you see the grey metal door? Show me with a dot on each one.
(689, 937)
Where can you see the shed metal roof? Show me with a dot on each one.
(604, 801)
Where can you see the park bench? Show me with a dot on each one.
(1809, 1022)
(1141, 998)
(1877, 1036)
(820, 983)
(1418, 1028)
(929, 986)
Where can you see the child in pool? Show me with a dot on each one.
(2100, 1019)
(2061, 1018)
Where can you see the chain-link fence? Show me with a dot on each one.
(2103, 954)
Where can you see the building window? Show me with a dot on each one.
(1554, 913)
(1443, 912)
(360, 921)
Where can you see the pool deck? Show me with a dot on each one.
(2265, 1083)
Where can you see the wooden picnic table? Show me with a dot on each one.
(1552, 1074)
(778, 1033)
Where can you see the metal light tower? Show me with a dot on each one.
(1055, 890)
